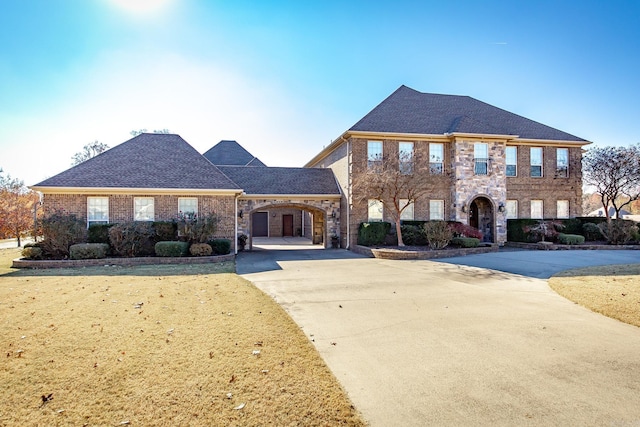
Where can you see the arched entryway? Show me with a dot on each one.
(481, 216)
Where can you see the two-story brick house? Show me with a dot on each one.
(489, 164)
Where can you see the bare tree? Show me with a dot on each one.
(88, 151)
(614, 173)
(141, 131)
(396, 180)
(17, 204)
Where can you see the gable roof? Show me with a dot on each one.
(230, 153)
(409, 111)
(284, 181)
(148, 161)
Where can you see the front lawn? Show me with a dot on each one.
(156, 345)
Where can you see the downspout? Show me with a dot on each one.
(235, 245)
(348, 194)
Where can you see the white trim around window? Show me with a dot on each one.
(511, 154)
(374, 153)
(535, 160)
(562, 163)
(187, 205)
(97, 210)
(143, 209)
(436, 210)
(436, 158)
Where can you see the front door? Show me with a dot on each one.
(481, 217)
(260, 224)
(287, 225)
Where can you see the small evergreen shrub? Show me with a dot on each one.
(98, 233)
(465, 242)
(222, 246)
(132, 238)
(570, 239)
(60, 231)
(32, 252)
(591, 232)
(165, 231)
(373, 233)
(172, 249)
(572, 226)
(200, 249)
(516, 229)
(413, 235)
(438, 234)
(88, 251)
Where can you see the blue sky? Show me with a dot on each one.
(284, 78)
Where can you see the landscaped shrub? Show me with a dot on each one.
(242, 241)
(463, 230)
(88, 251)
(133, 238)
(591, 232)
(618, 231)
(465, 242)
(516, 229)
(60, 231)
(222, 246)
(544, 230)
(438, 234)
(413, 235)
(570, 239)
(165, 231)
(572, 226)
(200, 249)
(172, 249)
(31, 251)
(373, 233)
(195, 228)
(99, 233)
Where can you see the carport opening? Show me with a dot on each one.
(287, 228)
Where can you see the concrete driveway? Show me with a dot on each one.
(436, 343)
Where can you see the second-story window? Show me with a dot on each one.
(481, 158)
(436, 158)
(562, 162)
(512, 161)
(405, 157)
(536, 162)
(374, 154)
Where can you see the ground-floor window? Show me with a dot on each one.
(97, 210)
(375, 210)
(537, 211)
(512, 209)
(436, 209)
(407, 213)
(143, 209)
(188, 206)
(562, 209)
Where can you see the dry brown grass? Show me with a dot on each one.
(156, 346)
(612, 290)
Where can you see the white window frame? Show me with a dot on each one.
(185, 201)
(511, 159)
(562, 209)
(436, 210)
(512, 209)
(376, 211)
(374, 153)
(436, 158)
(536, 162)
(480, 158)
(97, 213)
(405, 157)
(562, 163)
(143, 209)
(535, 206)
(409, 212)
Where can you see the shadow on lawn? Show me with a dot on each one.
(142, 270)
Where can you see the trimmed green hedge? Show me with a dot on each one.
(465, 242)
(99, 233)
(373, 233)
(578, 226)
(172, 249)
(220, 246)
(88, 251)
(570, 239)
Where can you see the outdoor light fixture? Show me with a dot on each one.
(240, 213)
(501, 207)
(333, 214)
(463, 208)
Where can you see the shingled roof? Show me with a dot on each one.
(409, 111)
(230, 153)
(283, 181)
(158, 161)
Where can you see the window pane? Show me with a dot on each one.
(143, 209)
(436, 158)
(405, 157)
(512, 209)
(188, 205)
(375, 210)
(374, 153)
(536, 209)
(536, 162)
(97, 210)
(481, 158)
(562, 162)
(512, 160)
(436, 209)
(407, 213)
(562, 209)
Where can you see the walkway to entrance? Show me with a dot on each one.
(283, 243)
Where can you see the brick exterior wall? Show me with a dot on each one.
(165, 208)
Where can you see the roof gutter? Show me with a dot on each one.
(151, 191)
